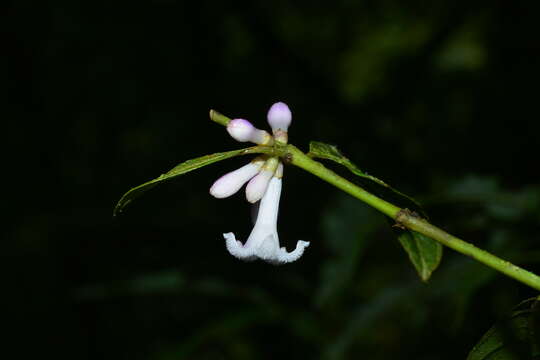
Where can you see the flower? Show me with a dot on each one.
(263, 242)
(264, 177)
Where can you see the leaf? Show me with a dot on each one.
(516, 337)
(178, 170)
(424, 252)
(321, 150)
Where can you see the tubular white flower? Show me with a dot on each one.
(230, 183)
(242, 130)
(279, 117)
(263, 242)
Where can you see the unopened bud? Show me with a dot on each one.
(257, 186)
(242, 130)
(230, 183)
(279, 117)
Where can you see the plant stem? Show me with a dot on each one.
(422, 226)
(403, 217)
(303, 161)
(219, 118)
(411, 221)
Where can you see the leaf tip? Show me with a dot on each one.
(117, 210)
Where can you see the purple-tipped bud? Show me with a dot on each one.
(230, 183)
(279, 117)
(257, 186)
(242, 130)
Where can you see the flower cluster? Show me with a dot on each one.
(263, 176)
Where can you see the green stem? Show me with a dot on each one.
(403, 217)
(411, 221)
(219, 118)
(422, 226)
(303, 161)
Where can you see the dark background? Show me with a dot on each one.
(440, 100)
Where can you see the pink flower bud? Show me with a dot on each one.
(257, 186)
(230, 183)
(240, 130)
(279, 117)
(243, 131)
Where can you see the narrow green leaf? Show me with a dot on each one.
(516, 337)
(424, 253)
(181, 169)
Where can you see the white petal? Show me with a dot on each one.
(230, 183)
(285, 257)
(236, 248)
(267, 250)
(256, 188)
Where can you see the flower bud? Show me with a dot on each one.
(230, 183)
(279, 116)
(242, 130)
(257, 186)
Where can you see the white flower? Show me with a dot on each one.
(263, 242)
(265, 177)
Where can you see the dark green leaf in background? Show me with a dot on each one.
(517, 337)
(424, 253)
(347, 227)
(178, 170)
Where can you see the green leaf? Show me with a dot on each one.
(181, 169)
(321, 150)
(517, 337)
(424, 252)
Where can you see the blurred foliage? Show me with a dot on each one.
(517, 337)
(438, 99)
